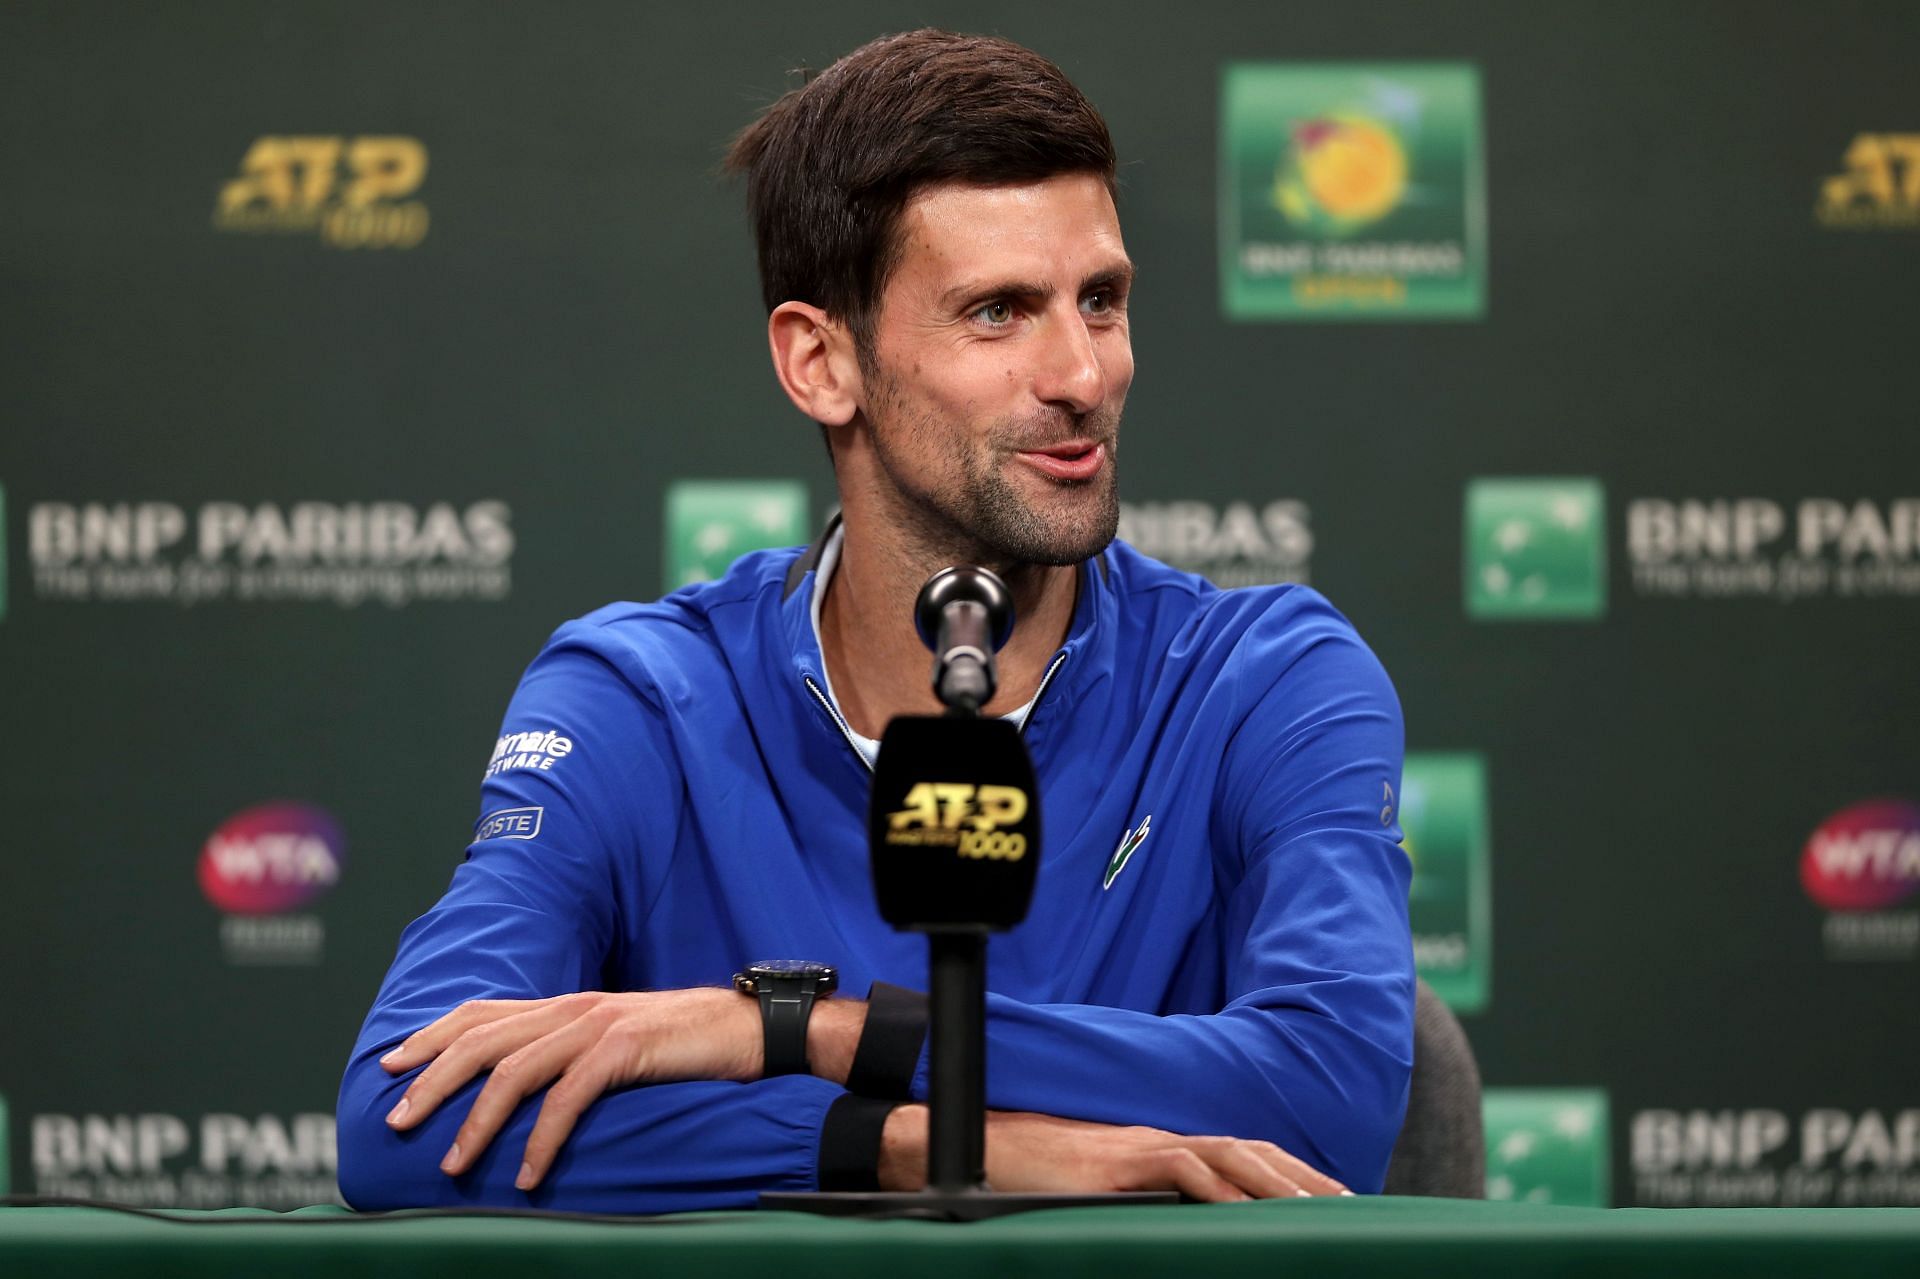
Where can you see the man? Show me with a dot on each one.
(1213, 990)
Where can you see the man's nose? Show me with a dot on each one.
(1070, 373)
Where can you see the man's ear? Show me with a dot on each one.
(814, 359)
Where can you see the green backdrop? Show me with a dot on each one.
(350, 348)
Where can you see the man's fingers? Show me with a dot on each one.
(516, 1077)
(1179, 1168)
(1241, 1163)
(476, 1049)
(432, 1039)
(579, 1087)
(1297, 1170)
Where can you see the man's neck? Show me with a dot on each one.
(875, 661)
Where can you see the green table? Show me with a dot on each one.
(1308, 1237)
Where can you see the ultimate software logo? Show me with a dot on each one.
(1535, 548)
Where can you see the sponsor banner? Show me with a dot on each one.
(1764, 1158)
(1862, 866)
(1535, 549)
(260, 868)
(1548, 1145)
(711, 523)
(182, 1161)
(1758, 547)
(1443, 814)
(1878, 187)
(1351, 191)
(352, 193)
(1230, 544)
(343, 553)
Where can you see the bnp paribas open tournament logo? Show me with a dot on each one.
(1443, 815)
(353, 193)
(1536, 548)
(1548, 1145)
(1352, 191)
(711, 523)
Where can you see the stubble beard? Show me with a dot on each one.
(977, 516)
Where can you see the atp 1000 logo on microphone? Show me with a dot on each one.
(261, 868)
(1860, 865)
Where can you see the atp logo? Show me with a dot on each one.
(351, 192)
(1880, 189)
(963, 817)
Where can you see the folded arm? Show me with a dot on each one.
(1311, 1049)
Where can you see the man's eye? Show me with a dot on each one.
(996, 313)
(1100, 303)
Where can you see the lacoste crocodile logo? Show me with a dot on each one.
(1123, 854)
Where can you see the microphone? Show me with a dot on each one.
(965, 615)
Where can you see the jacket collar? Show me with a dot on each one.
(1084, 660)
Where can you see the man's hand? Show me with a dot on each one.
(583, 1045)
(1042, 1153)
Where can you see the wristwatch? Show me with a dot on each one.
(787, 989)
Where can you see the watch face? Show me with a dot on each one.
(825, 978)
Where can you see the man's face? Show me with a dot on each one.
(1001, 363)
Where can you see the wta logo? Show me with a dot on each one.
(272, 859)
(1864, 858)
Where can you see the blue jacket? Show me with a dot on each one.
(673, 797)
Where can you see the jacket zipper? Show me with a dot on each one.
(846, 729)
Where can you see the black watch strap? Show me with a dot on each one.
(786, 1005)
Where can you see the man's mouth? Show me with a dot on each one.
(1071, 460)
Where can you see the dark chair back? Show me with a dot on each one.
(1442, 1149)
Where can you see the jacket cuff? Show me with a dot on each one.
(850, 1142)
(888, 1053)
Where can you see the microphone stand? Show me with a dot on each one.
(964, 614)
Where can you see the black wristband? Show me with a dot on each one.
(850, 1142)
(888, 1054)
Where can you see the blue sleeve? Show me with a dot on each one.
(538, 909)
(1313, 1047)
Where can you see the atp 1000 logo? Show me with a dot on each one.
(351, 192)
(1879, 188)
(963, 817)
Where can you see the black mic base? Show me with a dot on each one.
(936, 1205)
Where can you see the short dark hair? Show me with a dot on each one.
(831, 165)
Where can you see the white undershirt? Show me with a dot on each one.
(822, 573)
